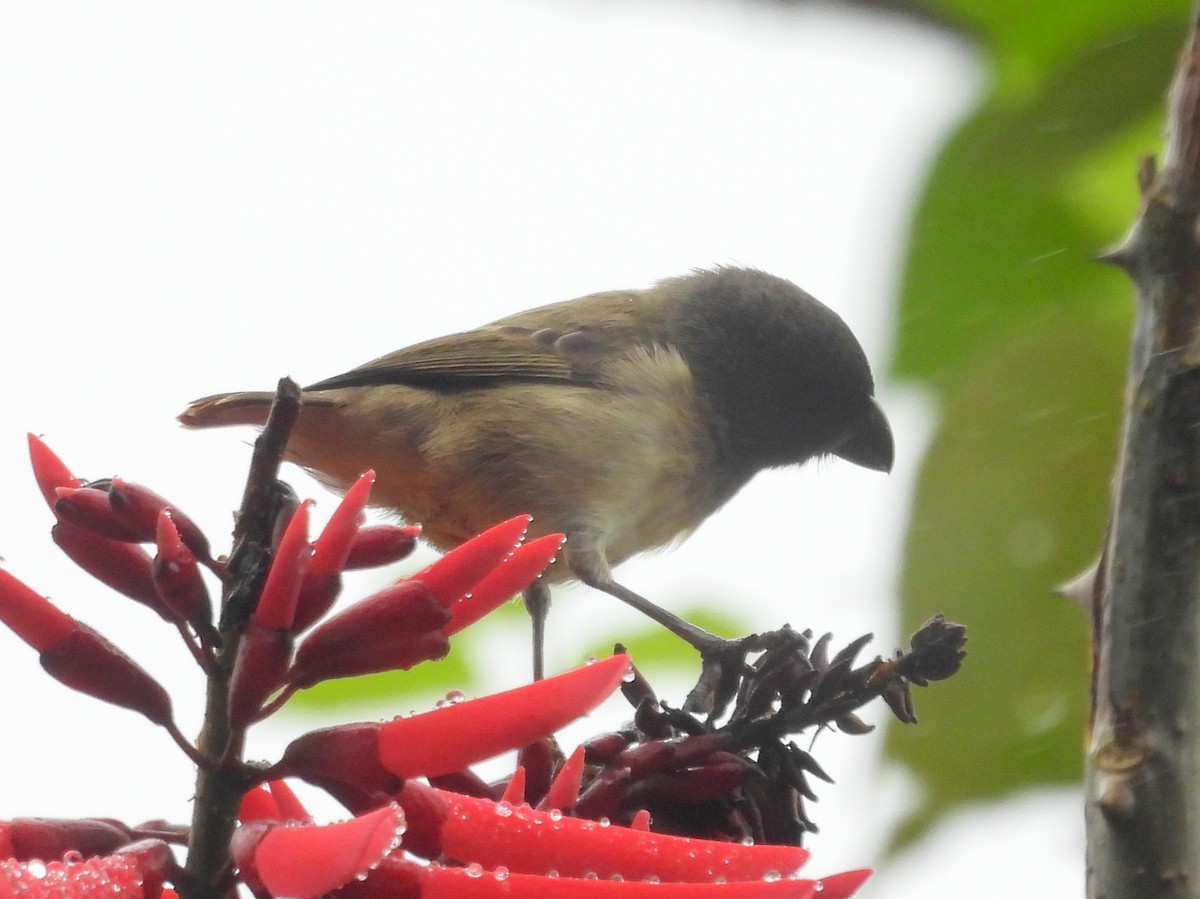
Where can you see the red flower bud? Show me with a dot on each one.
(125, 567)
(85, 661)
(138, 508)
(514, 790)
(277, 605)
(30, 838)
(177, 578)
(381, 544)
(505, 581)
(88, 507)
(459, 570)
(539, 759)
(564, 789)
(342, 760)
(395, 628)
(258, 671)
(333, 546)
(49, 470)
(31, 616)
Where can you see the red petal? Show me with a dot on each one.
(442, 882)
(453, 737)
(258, 804)
(508, 579)
(536, 842)
(277, 606)
(842, 886)
(463, 567)
(564, 789)
(49, 470)
(31, 616)
(289, 803)
(310, 860)
(333, 546)
(514, 790)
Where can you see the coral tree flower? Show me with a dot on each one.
(425, 826)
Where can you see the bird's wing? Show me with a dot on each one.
(566, 342)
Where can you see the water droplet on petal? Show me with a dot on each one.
(501, 873)
(616, 877)
(555, 814)
(474, 869)
(590, 875)
(604, 822)
(455, 696)
(771, 876)
(552, 873)
(503, 809)
(747, 841)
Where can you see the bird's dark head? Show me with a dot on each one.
(783, 377)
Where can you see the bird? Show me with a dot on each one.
(622, 419)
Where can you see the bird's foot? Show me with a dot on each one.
(722, 667)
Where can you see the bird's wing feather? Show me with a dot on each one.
(566, 342)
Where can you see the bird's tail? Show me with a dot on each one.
(223, 409)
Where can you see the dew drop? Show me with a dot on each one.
(552, 873)
(36, 867)
(771, 876)
(72, 857)
(455, 696)
(651, 878)
(555, 814)
(504, 810)
(604, 822)
(591, 660)
(616, 877)
(590, 875)
(629, 676)
(501, 873)
(719, 879)
(474, 869)
(819, 886)
(747, 841)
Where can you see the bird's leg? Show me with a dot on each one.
(722, 660)
(537, 604)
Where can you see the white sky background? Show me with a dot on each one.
(206, 197)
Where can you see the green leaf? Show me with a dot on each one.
(1024, 341)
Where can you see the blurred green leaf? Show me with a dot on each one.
(1024, 341)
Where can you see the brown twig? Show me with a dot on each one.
(1143, 762)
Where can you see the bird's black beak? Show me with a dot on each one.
(870, 443)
